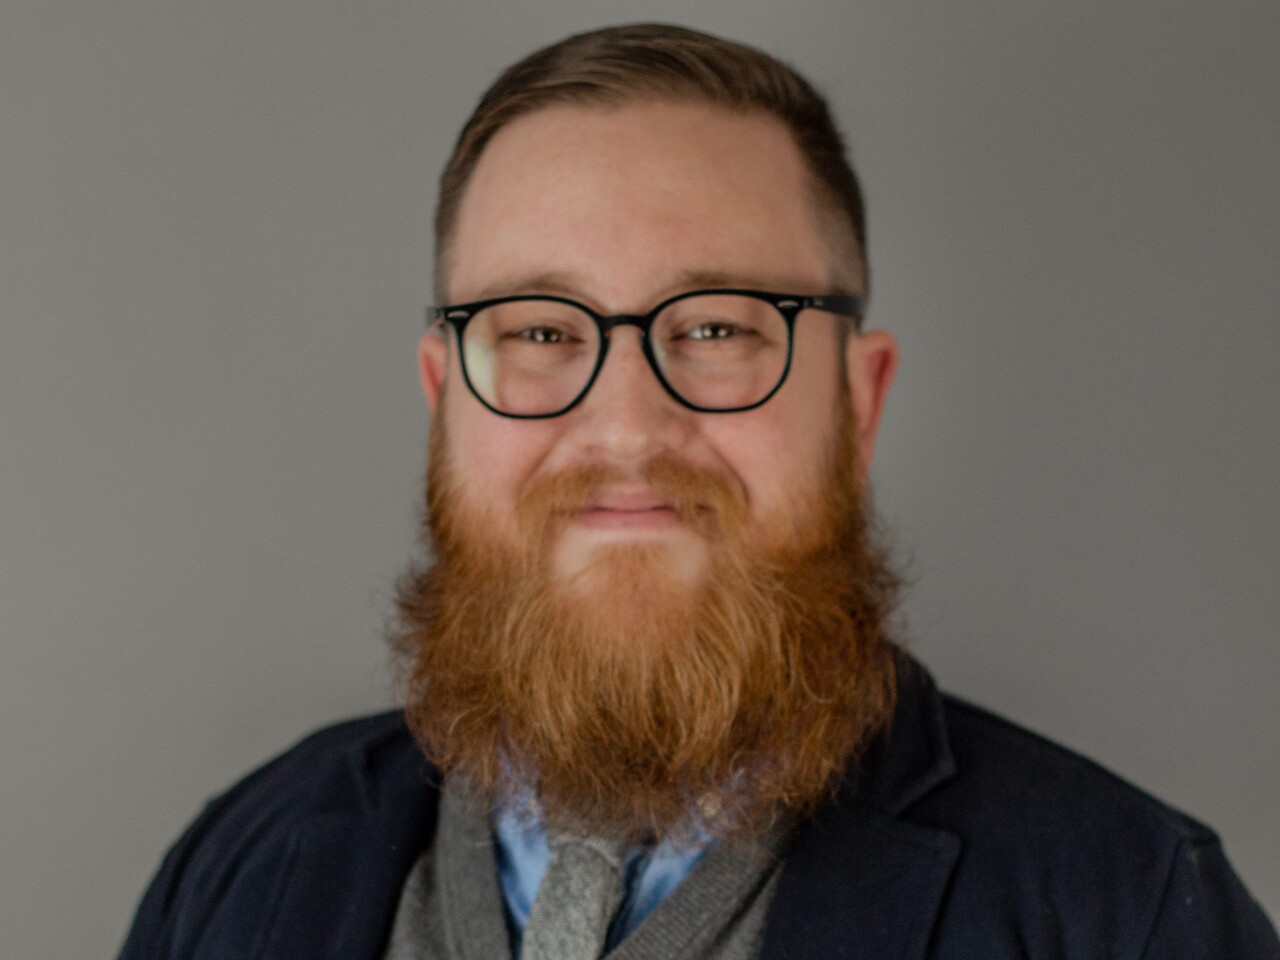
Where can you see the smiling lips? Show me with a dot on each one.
(639, 508)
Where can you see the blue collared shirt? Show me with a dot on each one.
(650, 873)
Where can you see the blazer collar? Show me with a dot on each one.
(913, 755)
(859, 879)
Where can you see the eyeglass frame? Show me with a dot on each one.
(790, 306)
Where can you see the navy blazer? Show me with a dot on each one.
(958, 836)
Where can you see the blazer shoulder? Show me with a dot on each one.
(242, 838)
(1012, 763)
(1080, 855)
(328, 770)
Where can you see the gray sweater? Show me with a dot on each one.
(451, 906)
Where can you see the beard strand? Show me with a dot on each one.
(633, 704)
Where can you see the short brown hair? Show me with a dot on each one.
(615, 65)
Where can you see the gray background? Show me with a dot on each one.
(213, 259)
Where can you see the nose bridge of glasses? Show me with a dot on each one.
(628, 367)
(641, 322)
(610, 344)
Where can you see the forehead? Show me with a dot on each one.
(621, 204)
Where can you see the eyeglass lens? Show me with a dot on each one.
(534, 357)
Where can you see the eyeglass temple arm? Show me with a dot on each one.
(845, 305)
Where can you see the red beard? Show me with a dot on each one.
(636, 704)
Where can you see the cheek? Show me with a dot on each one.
(776, 462)
(493, 457)
(780, 451)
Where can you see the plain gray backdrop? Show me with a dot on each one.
(214, 249)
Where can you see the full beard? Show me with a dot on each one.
(633, 702)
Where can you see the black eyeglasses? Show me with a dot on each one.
(714, 351)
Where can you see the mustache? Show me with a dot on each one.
(710, 502)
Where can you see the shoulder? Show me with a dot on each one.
(1050, 822)
(346, 758)
(336, 769)
(230, 859)
(342, 769)
(1081, 856)
(1012, 776)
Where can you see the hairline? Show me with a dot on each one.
(846, 261)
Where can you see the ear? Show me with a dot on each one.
(871, 361)
(433, 367)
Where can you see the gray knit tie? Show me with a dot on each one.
(576, 901)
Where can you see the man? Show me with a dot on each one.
(653, 707)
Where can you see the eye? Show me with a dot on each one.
(715, 330)
(543, 334)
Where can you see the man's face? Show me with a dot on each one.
(635, 605)
(620, 208)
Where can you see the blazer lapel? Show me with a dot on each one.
(858, 880)
(868, 888)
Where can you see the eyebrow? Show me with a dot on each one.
(568, 284)
(557, 282)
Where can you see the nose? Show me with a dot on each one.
(628, 416)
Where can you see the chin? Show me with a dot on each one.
(620, 567)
